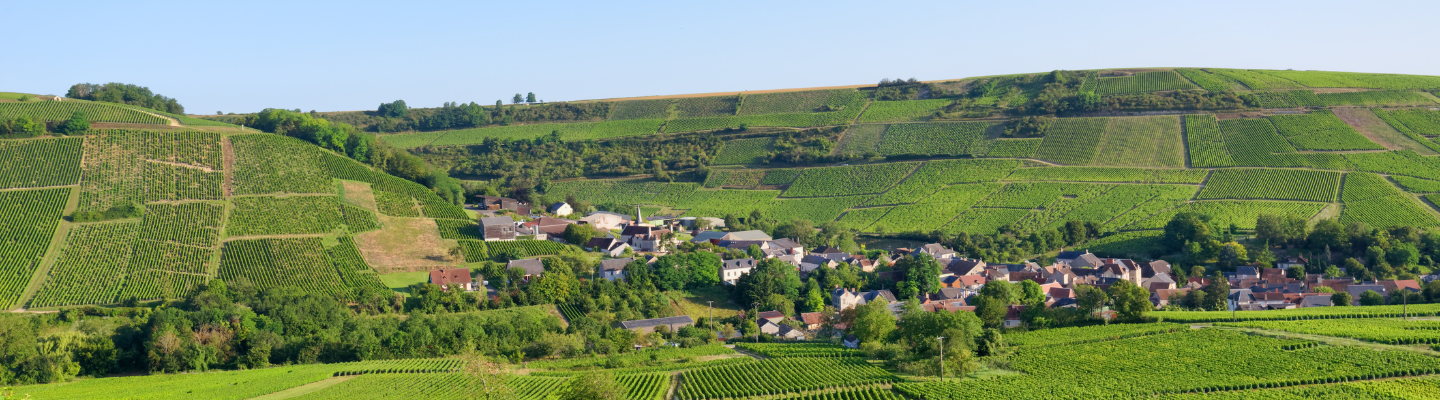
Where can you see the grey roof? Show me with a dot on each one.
(871, 295)
(814, 259)
(1319, 300)
(626, 217)
(748, 235)
(532, 266)
(497, 221)
(615, 264)
(739, 264)
(1070, 255)
(786, 243)
(646, 323)
(707, 236)
(1246, 270)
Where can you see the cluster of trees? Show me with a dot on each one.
(1032, 126)
(21, 127)
(910, 343)
(1180, 100)
(26, 127)
(1364, 252)
(1007, 245)
(222, 327)
(899, 89)
(396, 116)
(124, 93)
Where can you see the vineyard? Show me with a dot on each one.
(640, 109)
(200, 149)
(1090, 334)
(165, 182)
(1207, 81)
(302, 263)
(40, 162)
(945, 138)
(778, 376)
(263, 215)
(1143, 82)
(802, 102)
(54, 111)
(195, 224)
(1371, 199)
(746, 178)
(1218, 360)
(1226, 212)
(898, 111)
(1379, 330)
(1393, 311)
(92, 266)
(28, 219)
(1256, 143)
(1392, 118)
(1321, 130)
(1109, 174)
(699, 107)
(786, 350)
(1207, 146)
(744, 151)
(1016, 148)
(851, 180)
(528, 248)
(1272, 184)
(1142, 142)
(1072, 141)
(1423, 122)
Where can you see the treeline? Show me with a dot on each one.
(398, 117)
(125, 93)
(363, 147)
(1065, 92)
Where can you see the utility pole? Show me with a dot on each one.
(711, 320)
(1405, 304)
(942, 357)
(757, 321)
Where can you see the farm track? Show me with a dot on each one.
(228, 151)
(306, 388)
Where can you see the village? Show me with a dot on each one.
(630, 239)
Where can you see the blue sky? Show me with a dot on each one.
(328, 56)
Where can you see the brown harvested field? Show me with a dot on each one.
(405, 245)
(358, 193)
(1374, 128)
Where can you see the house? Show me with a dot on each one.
(504, 203)
(608, 245)
(561, 208)
(497, 228)
(1245, 272)
(812, 262)
(614, 268)
(787, 246)
(787, 332)
(772, 316)
(1012, 316)
(731, 270)
(1358, 289)
(1272, 275)
(850, 341)
(1316, 300)
(1291, 261)
(1078, 259)
(689, 222)
(936, 251)
(1240, 298)
(1272, 300)
(768, 328)
(1155, 267)
(649, 325)
(845, 298)
(605, 220)
(546, 228)
(964, 281)
(813, 320)
(1406, 284)
(532, 267)
(1164, 297)
(454, 276)
(1158, 282)
(964, 266)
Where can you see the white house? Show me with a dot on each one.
(561, 208)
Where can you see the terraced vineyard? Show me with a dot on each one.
(92, 267)
(1142, 82)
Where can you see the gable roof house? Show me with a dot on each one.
(715, 237)
(1164, 297)
(813, 320)
(1291, 261)
(497, 228)
(561, 208)
(1078, 259)
(1316, 300)
(1356, 290)
(458, 276)
(614, 268)
(605, 220)
(608, 245)
(772, 316)
(731, 270)
(936, 251)
(532, 267)
(964, 266)
(845, 298)
(812, 262)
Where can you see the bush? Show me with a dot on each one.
(117, 212)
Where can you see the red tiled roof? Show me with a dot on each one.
(444, 277)
(812, 318)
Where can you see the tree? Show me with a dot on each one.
(1031, 294)
(1371, 298)
(873, 321)
(1269, 228)
(1217, 295)
(530, 97)
(76, 124)
(1323, 289)
(922, 274)
(814, 296)
(1340, 299)
(1232, 254)
(1090, 299)
(1187, 228)
(1130, 301)
(1262, 255)
(593, 386)
(1328, 233)
(395, 109)
(578, 234)
(518, 98)
(485, 379)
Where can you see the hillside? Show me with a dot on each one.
(1123, 148)
(949, 157)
